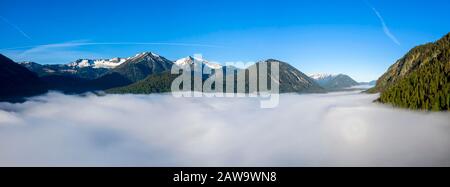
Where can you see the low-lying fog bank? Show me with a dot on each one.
(337, 129)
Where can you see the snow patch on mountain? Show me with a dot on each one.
(98, 63)
(321, 76)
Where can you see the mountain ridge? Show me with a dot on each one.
(291, 81)
(82, 68)
(17, 81)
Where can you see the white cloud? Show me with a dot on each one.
(339, 129)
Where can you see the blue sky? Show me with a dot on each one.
(357, 37)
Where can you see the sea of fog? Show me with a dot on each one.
(337, 129)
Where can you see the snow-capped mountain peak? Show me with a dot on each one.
(146, 54)
(196, 60)
(185, 61)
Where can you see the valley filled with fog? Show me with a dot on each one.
(336, 129)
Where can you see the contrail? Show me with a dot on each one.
(74, 44)
(383, 23)
(15, 27)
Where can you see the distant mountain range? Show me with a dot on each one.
(339, 82)
(143, 73)
(83, 68)
(371, 83)
(290, 79)
(334, 82)
(419, 80)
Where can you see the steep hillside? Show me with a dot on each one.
(157, 83)
(294, 81)
(419, 80)
(17, 81)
